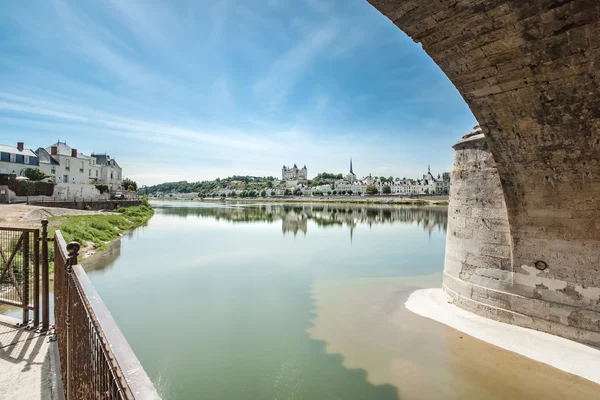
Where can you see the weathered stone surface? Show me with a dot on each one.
(529, 71)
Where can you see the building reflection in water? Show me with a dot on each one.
(294, 217)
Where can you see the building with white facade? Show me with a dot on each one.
(398, 186)
(66, 164)
(15, 159)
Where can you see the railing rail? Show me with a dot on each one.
(96, 360)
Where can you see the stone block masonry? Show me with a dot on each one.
(480, 273)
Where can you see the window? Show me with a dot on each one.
(53, 170)
(66, 178)
(90, 172)
(13, 157)
(26, 159)
(67, 165)
(81, 169)
(96, 173)
(111, 175)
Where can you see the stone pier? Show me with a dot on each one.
(525, 244)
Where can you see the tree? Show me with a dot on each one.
(334, 192)
(297, 192)
(371, 190)
(272, 193)
(34, 174)
(386, 189)
(349, 192)
(129, 183)
(287, 192)
(263, 193)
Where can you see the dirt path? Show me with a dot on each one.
(22, 215)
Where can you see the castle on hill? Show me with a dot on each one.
(294, 174)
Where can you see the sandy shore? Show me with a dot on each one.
(365, 321)
(566, 355)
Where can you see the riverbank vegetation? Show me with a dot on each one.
(101, 229)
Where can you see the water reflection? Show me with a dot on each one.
(294, 217)
(106, 258)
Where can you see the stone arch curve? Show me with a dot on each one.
(530, 73)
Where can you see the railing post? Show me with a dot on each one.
(45, 278)
(73, 249)
(25, 278)
(36, 274)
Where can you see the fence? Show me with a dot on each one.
(20, 274)
(96, 360)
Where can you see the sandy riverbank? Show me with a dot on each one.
(365, 321)
(564, 354)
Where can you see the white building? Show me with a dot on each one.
(67, 165)
(15, 159)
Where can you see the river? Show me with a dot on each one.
(301, 301)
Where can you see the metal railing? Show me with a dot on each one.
(20, 274)
(95, 359)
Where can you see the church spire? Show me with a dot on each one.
(428, 169)
(351, 166)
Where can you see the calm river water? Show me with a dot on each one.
(301, 301)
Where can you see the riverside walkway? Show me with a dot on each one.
(27, 363)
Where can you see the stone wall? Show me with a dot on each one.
(479, 273)
(62, 192)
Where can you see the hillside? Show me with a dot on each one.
(207, 187)
(255, 183)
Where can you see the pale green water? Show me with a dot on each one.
(216, 300)
(301, 302)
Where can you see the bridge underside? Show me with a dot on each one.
(527, 248)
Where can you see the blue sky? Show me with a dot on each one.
(198, 89)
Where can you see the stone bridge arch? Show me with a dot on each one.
(530, 72)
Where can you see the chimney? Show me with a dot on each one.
(74, 153)
(20, 146)
(54, 150)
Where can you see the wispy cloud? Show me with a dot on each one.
(287, 69)
(220, 87)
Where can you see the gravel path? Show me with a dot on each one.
(26, 216)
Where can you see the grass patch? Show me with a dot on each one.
(440, 203)
(100, 229)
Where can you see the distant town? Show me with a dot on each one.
(74, 175)
(294, 182)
